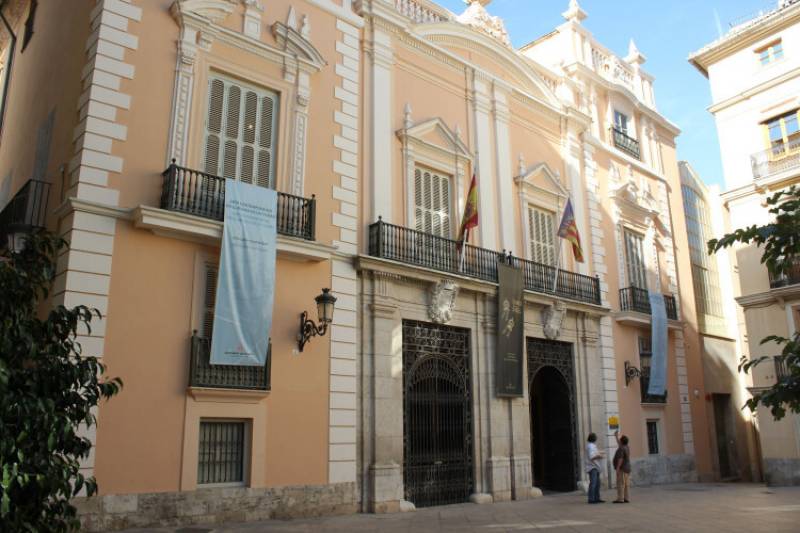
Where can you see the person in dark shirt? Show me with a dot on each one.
(622, 464)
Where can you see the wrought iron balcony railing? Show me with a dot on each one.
(197, 193)
(776, 159)
(644, 384)
(781, 367)
(636, 299)
(790, 277)
(413, 247)
(26, 211)
(627, 144)
(203, 374)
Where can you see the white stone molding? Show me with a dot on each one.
(552, 198)
(84, 272)
(477, 17)
(442, 303)
(342, 445)
(435, 145)
(251, 23)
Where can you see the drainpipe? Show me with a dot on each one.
(9, 65)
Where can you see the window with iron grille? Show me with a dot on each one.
(221, 453)
(645, 358)
(634, 257)
(540, 226)
(432, 202)
(240, 133)
(652, 437)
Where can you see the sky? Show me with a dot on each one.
(666, 33)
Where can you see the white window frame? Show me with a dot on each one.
(447, 226)
(547, 246)
(629, 261)
(224, 139)
(624, 125)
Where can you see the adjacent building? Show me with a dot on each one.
(369, 119)
(753, 74)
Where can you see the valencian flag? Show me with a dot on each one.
(470, 218)
(569, 230)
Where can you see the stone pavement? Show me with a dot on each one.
(715, 508)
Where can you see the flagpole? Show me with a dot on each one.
(558, 259)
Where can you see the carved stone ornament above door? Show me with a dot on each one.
(443, 296)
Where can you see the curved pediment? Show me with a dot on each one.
(509, 65)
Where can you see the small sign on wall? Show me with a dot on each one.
(613, 423)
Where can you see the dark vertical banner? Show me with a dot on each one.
(510, 331)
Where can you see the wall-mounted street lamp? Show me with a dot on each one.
(325, 305)
(631, 373)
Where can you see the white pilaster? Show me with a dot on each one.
(381, 126)
(505, 183)
(487, 224)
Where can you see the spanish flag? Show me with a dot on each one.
(470, 218)
(569, 231)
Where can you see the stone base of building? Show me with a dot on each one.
(213, 506)
(782, 472)
(663, 469)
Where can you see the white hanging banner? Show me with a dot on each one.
(246, 283)
(658, 362)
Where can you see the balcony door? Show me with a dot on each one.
(240, 132)
(634, 260)
(541, 226)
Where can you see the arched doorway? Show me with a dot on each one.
(437, 414)
(552, 415)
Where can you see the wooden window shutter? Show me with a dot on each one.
(432, 202)
(210, 298)
(240, 132)
(541, 230)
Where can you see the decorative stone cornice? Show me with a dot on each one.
(477, 17)
(296, 44)
(216, 11)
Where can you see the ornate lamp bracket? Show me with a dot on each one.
(631, 373)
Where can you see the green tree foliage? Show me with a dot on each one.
(780, 241)
(47, 391)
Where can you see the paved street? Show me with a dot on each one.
(717, 508)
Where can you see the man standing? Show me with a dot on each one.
(593, 458)
(622, 464)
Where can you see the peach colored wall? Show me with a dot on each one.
(141, 431)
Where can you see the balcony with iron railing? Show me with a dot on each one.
(644, 384)
(203, 374)
(782, 158)
(201, 194)
(624, 143)
(26, 211)
(404, 245)
(787, 278)
(636, 299)
(781, 368)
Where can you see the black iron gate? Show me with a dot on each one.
(551, 384)
(437, 414)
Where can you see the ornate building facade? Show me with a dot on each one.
(369, 118)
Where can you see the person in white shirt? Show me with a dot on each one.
(593, 458)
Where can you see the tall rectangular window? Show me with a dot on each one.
(652, 437)
(432, 202)
(541, 229)
(770, 53)
(209, 299)
(621, 122)
(221, 452)
(240, 136)
(634, 258)
(783, 133)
